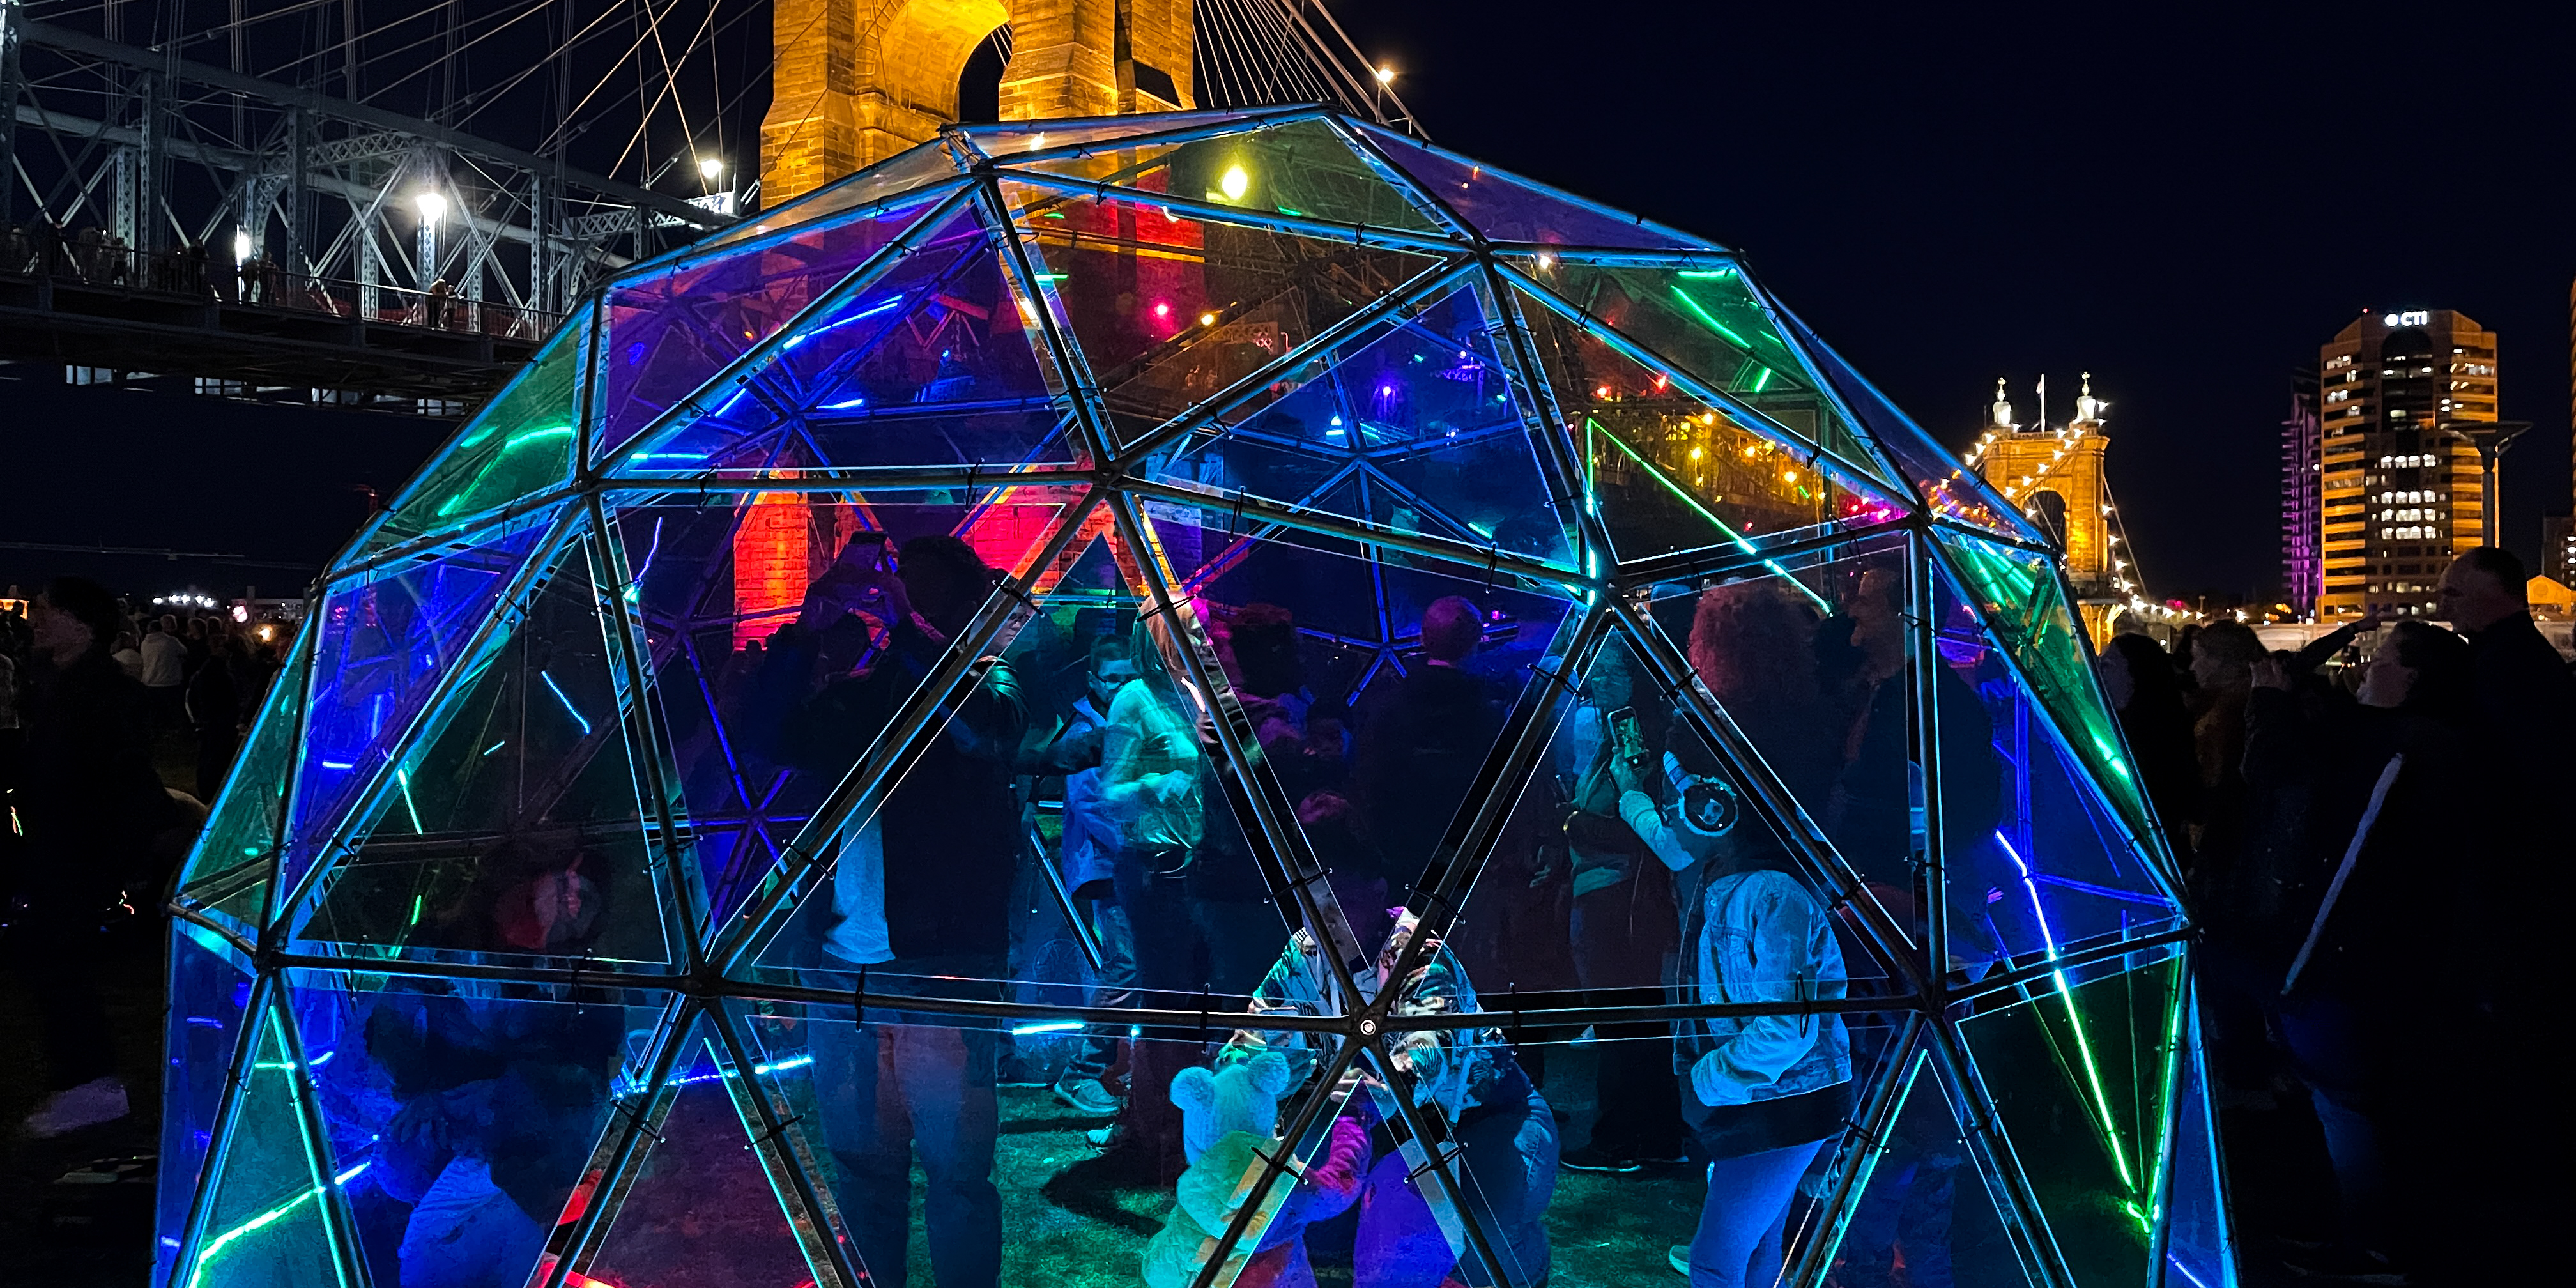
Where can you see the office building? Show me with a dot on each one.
(2401, 489)
(2303, 566)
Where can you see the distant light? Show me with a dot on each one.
(241, 245)
(241, 613)
(710, 168)
(1385, 75)
(432, 207)
(1235, 183)
(1162, 310)
(1207, 319)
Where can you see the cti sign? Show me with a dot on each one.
(2419, 317)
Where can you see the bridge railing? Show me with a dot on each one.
(40, 251)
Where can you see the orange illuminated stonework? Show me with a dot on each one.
(772, 564)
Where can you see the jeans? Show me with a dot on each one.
(1116, 936)
(1623, 956)
(897, 1088)
(1509, 1157)
(1738, 1242)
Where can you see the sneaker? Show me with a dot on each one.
(1100, 1137)
(1678, 1256)
(1593, 1158)
(1086, 1096)
(99, 1100)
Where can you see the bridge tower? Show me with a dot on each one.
(2054, 473)
(857, 81)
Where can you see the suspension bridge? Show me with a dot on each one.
(389, 203)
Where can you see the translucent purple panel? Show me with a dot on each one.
(210, 987)
(462, 1117)
(1170, 311)
(511, 825)
(672, 332)
(934, 362)
(698, 1211)
(383, 644)
(1669, 472)
(759, 736)
(1506, 208)
(1414, 425)
(264, 1220)
(1927, 1216)
(520, 443)
(2112, 1045)
(1301, 169)
(1937, 474)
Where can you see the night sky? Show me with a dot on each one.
(2185, 204)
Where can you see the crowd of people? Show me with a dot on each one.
(94, 695)
(2374, 859)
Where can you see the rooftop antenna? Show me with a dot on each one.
(2043, 402)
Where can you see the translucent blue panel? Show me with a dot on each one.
(698, 1210)
(210, 986)
(383, 645)
(2200, 1239)
(511, 826)
(1506, 208)
(670, 332)
(462, 1116)
(1944, 482)
(229, 870)
(264, 1221)
(2081, 1074)
(1417, 414)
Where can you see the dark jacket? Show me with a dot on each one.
(951, 829)
(1417, 758)
(88, 798)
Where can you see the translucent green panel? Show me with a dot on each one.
(1301, 168)
(511, 825)
(264, 1223)
(2018, 594)
(2081, 1074)
(1169, 312)
(520, 442)
(1926, 1216)
(1413, 425)
(698, 1210)
(1710, 326)
(1669, 472)
(891, 180)
(240, 840)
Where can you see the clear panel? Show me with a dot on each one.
(1927, 1218)
(1709, 324)
(2112, 1045)
(1809, 657)
(1669, 472)
(697, 1209)
(888, 181)
(1412, 425)
(1952, 489)
(1007, 139)
(519, 443)
(210, 987)
(383, 646)
(1509, 209)
(230, 866)
(908, 1125)
(671, 331)
(2200, 1239)
(1169, 311)
(760, 733)
(462, 1115)
(512, 826)
(2023, 604)
(1300, 168)
(264, 1222)
(933, 363)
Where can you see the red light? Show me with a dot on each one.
(1162, 310)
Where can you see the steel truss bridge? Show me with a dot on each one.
(389, 203)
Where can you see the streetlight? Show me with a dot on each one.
(2492, 438)
(433, 208)
(1386, 75)
(711, 168)
(430, 204)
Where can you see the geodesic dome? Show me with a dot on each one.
(503, 957)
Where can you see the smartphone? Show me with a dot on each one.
(1626, 738)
